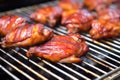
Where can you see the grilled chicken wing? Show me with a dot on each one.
(27, 35)
(109, 14)
(10, 22)
(69, 4)
(49, 14)
(104, 29)
(79, 21)
(97, 4)
(66, 14)
(61, 48)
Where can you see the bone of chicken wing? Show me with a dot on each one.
(98, 4)
(104, 29)
(69, 4)
(109, 14)
(47, 15)
(10, 22)
(27, 35)
(79, 21)
(61, 48)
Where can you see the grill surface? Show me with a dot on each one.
(101, 62)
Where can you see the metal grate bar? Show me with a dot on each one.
(86, 78)
(39, 75)
(115, 41)
(20, 71)
(104, 55)
(102, 60)
(111, 43)
(101, 44)
(118, 56)
(99, 62)
(67, 74)
(88, 71)
(56, 76)
(95, 67)
(9, 73)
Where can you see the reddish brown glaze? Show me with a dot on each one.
(109, 14)
(66, 14)
(10, 22)
(61, 48)
(98, 4)
(27, 35)
(79, 21)
(69, 4)
(47, 15)
(104, 29)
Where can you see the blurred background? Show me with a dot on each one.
(12, 4)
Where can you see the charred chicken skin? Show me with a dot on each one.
(109, 14)
(98, 4)
(104, 29)
(47, 15)
(27, 35)
(79, 21)
(61, 48)
(9, 23)
(69, 4)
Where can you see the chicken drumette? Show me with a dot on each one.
(69, 4)
(98, 4)
(109, 14)
(104, 29)
(47, 15)
(9, 23)
(61, 48)
(79, 21)
(68, 7)
(27, 35)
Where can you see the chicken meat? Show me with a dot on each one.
(27, 35)
(70, 4)
(105, 29)
(80, 21)
(9, 23)
(49, 15)
(98, 4)
(109, 14)
(61, 48)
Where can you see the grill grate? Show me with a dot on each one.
(102, 59)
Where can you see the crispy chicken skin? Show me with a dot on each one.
(69, 4)
(10, 22)
(66, 14)
(97, 4)
(27, 35)
(47, 15)
(79, 21)
(61, 48)
(104, 29)
(109, 14)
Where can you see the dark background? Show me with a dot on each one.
(12, 4)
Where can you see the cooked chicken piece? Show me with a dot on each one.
(79, 21)
(61, 48)
(10, 22)
(69, 4)
(104, 29)
(66, 14)
(47, 15)
(27, 35)
(97, 4)
(109, 14)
